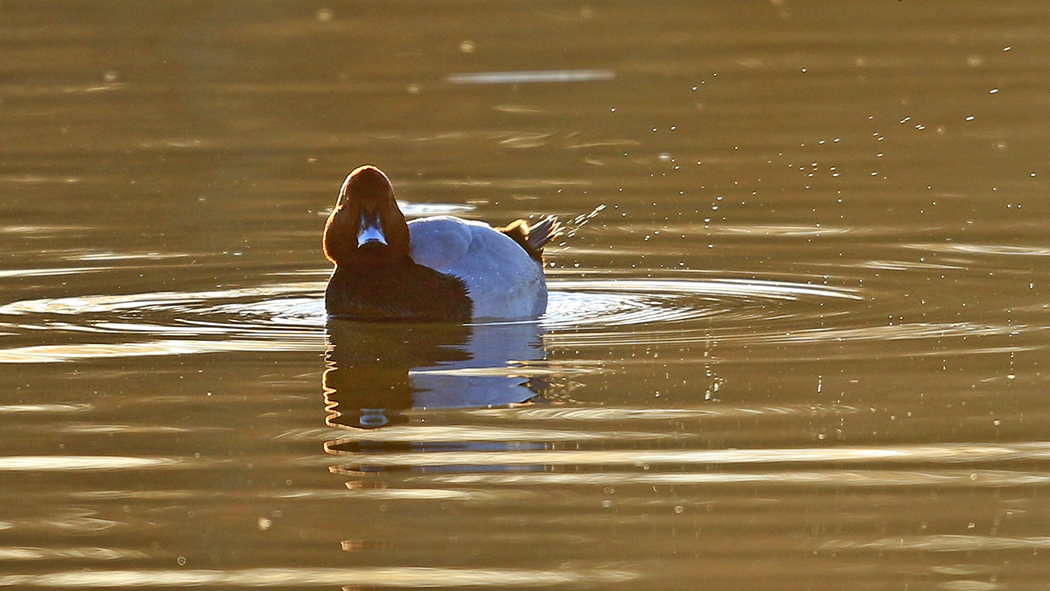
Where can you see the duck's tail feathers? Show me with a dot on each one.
(533, 238)
(543, 232)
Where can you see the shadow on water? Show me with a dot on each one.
(376, 372)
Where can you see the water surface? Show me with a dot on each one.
(797, 333)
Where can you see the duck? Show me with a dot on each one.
(431, 268)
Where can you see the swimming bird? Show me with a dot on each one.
(432, 268)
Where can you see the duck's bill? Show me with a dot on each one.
(370, 230)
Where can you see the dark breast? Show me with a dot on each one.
(391, 292)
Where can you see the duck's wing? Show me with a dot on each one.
(441, 242)
(502, 280)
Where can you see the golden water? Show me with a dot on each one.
(797, 336)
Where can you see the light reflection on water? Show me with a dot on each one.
(322, 577)
(964, 480)
(86, 463)
(100, 554)
(959, 453)
(287, 316)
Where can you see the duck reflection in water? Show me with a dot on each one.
(378, 371)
